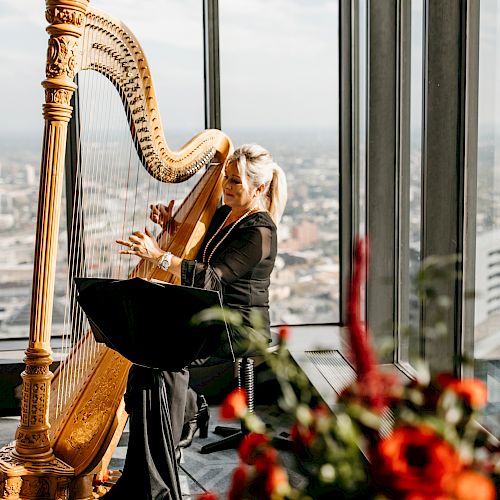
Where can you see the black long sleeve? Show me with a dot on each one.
(238, 258)
(240, 266)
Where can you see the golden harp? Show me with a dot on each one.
(70, 420)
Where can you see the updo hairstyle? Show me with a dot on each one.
(257, 167)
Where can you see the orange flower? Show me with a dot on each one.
(251, 445)
(474, 392)
(470, 485)
(235, 404)
(276, 479)
(413, 461)
(421, 496)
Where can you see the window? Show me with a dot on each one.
(487, 305)
(279, 88)
(410, 319)
(173, 43)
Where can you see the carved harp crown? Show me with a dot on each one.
(73, 435)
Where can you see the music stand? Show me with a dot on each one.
(148, 322)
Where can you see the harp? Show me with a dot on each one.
(71, 419)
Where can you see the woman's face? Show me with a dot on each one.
(235, 194)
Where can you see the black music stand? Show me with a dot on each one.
(148, 322)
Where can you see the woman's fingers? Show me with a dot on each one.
(161, 214)
(125, 243)
(155, 214)
(170, 208)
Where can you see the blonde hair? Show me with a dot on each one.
(257, 167)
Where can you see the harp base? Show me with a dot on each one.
(23, 479)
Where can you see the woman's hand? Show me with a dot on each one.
(143, 245)
(162, 215)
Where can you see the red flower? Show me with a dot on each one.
(283, 333)
(207, 495)
(255, 450)
(364, 357)
(266, 459)
(251, 445)
(238, 483)
(472, 391)
(276, 479)
(414, 461)
(444, 378)
(321, 410)
(470, 485)
(235, 404)
(303, 436)
(375, 390)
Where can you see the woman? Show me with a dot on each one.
(236, 257)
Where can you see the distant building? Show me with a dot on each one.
(304, 235)
(487, 275)
(31, 177)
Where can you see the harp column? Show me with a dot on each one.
(67, 20)
(31, 468)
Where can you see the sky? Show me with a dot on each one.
(279, 69)
(279, 61)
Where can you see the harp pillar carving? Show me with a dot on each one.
(29, 469)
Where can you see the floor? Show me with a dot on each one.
(198, 472)
(212, 472)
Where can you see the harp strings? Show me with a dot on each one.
(113, 192)
(105, 153)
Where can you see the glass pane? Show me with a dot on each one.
(279, 88)
(21, 72)
(409, 348)
(362, 97)
(172, 40)
(487, 310)
(417, 79)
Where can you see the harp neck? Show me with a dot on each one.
(117, 54)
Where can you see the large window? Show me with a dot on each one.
(487, 305)
(279, 88)
(172, 40)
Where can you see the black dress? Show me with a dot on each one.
(150, 471)
(240, 268)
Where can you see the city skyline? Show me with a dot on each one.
(306, 169)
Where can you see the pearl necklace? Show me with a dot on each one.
(233, 225)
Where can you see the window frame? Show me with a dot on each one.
(449, 160)
(455, 64)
